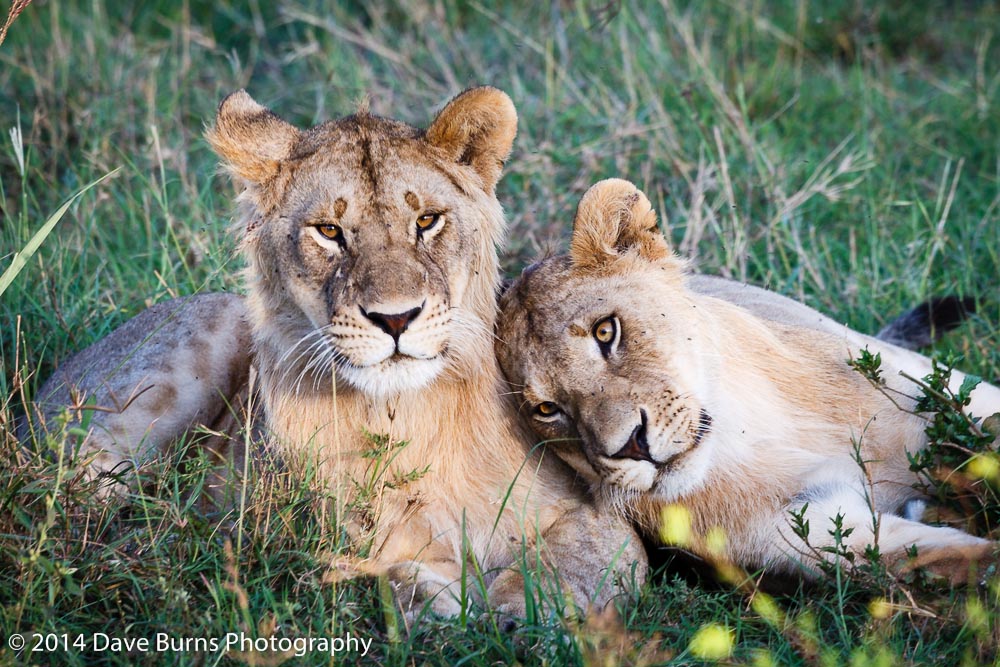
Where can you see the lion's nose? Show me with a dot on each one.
(394, 324)
(636, 447)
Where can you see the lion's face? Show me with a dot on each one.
(367, 236)
(603, 360)
(378, 264)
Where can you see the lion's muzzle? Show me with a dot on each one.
(636, 447)
(394, 324)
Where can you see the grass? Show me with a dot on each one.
(845, 153)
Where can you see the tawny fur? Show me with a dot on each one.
(746, 403)
(327, 225)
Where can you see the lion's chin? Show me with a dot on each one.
(393, 376)
(687, 476)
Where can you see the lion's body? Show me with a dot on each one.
(456, 426)
(466, 440)
(178, 365)
(741, 410)
(787, 413)
(371, 278)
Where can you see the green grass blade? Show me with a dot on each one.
(21, 258)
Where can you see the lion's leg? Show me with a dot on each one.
(586, 556)
(428, 586)
(176, 366)
(958, 557)
(424, 566)
(226, 445)
(903, 544)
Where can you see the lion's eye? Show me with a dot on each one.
(428, 221)
(546, 409)
(606, 333)
(331, 232)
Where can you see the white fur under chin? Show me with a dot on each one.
(690, 475)
(390, 378)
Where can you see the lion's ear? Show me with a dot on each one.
(613, 218)
(250, 139)
(477, 128)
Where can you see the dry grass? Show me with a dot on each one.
(844, 153)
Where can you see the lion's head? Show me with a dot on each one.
(598, 341)
(370, 243)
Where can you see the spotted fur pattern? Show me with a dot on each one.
(371, 279)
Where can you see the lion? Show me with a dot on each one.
(371, 279)
(678, 405)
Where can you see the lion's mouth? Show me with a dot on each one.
(403, 357)
(392, 374)
(396, 358)
(399, 357)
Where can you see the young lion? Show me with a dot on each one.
(371, 277)
(661, 394)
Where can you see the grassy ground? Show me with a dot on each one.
(845, 153)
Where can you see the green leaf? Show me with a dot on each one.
(968, 384)
(35, 242)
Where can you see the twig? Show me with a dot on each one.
(16, 7)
